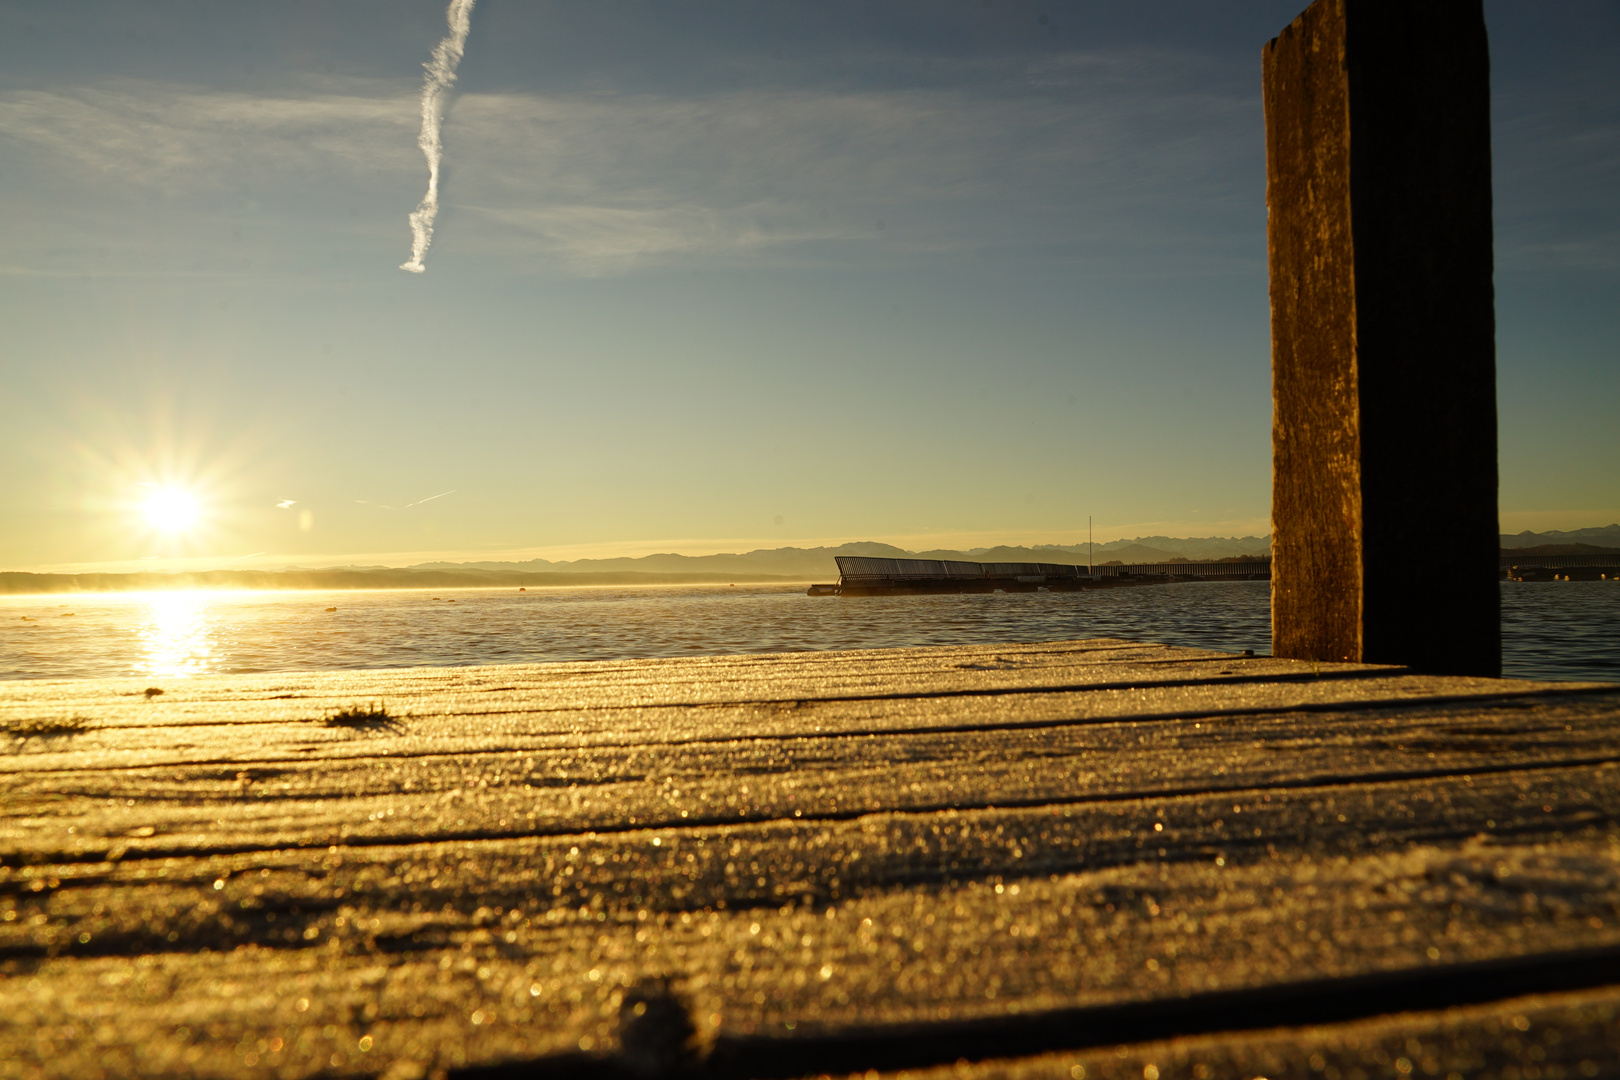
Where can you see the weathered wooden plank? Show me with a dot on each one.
(505, 708)
(422, 794)
(493, 974)
(1545, 1035)
(864, 859)
(700, 680)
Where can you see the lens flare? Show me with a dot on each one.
(171, 511)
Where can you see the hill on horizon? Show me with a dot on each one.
(778, 565)
(1606, 536)
(1561, 549)
(818, 563)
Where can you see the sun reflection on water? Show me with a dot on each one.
(177, 635)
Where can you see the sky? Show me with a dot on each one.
(708, 277)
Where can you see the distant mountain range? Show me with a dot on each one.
(776, 565)
(1607, 536)
(818, 563)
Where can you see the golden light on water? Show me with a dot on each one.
(176, 635)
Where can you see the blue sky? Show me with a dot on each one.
(709, 276)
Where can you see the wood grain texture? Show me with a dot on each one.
(860, 856)
(1383, 335)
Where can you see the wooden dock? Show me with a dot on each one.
(1084, 859)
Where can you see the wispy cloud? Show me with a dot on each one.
(1125, 158)
(602, 183)
(147, 135)
(138, 177)
(1077, 154)
(1555, 174)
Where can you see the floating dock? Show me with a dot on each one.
(1072, 860)
(865, 576)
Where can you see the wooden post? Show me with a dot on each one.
(1378, 184)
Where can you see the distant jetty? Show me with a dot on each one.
(862, 576)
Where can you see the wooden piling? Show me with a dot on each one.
(1383, 336)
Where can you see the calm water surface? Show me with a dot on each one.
(1557, 630)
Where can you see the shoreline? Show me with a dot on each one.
(17, 583)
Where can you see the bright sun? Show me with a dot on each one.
(170, 510)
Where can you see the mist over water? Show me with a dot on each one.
(1551, 630)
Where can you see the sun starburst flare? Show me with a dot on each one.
(170, 511)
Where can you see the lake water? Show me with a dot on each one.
(1551, 630)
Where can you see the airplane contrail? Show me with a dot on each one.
(407, 506)
(429, 499)
(441, 73)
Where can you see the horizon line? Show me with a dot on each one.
(634, 549)
(638, 549)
